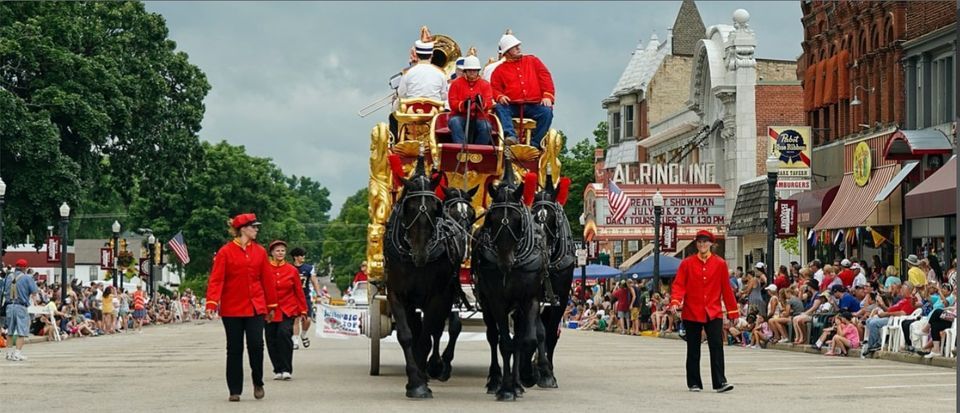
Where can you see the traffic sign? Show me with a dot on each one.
(581, 257)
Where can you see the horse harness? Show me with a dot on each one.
(447, 235)
(562, 251)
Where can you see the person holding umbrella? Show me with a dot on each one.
(701, 289)
(241, 288)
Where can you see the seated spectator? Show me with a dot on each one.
(847, 336)
(903, 307)
(761, 333)
(778, 324)
(801, 320)
(940, 321)
(893, 278)
(590, 319)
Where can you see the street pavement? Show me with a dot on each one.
(181, 368)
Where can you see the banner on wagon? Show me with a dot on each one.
(339, 322)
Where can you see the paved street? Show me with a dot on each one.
(181, 368)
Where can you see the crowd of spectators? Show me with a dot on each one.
(102, 309)
(834, 308)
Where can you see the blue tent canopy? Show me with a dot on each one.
(644, 269)
(595, 271)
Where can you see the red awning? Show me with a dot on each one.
(854, 204)
(811, 205)
(936, 196)
(913, 144)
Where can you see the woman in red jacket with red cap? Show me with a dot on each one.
(292, 304)
(241, 287)
(701, 285)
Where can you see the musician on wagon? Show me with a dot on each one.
(522, 80)
(473, 92)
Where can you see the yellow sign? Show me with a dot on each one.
(862, 164)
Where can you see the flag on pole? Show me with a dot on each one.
(618, 202)
(180, 248)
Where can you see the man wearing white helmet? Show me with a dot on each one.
(423, 80)
(522, 80)
(470, 90)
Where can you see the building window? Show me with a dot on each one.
(941, 91)
(628, 131)
(615, 132)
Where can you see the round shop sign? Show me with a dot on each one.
(790, 144)
(862, 164)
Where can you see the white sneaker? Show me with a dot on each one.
(296, 343)
(18, 356)
(929, 355)
(287, 376)
(278, 376)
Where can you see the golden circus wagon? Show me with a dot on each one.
(422, 126)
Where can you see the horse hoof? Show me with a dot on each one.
(445, 373)
(420, 392)
(506, 396)
(519, 391)
(528, 381)
(435, 369)
(547, 382)
(493, 384)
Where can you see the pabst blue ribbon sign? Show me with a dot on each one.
(791, 145)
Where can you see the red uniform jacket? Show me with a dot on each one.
(700, 286)
(847, 276)
(525, 79)
(461, 90)
(240, 282)
(290, 298)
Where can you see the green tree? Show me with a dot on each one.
(578, 165)
(345, 241)
(99, 110)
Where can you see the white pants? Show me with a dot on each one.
(916, 332)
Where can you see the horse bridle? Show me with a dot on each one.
(421, 210)
(505, 221)
(543, 206)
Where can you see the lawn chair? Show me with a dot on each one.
(950, 340)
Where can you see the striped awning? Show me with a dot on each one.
(854, 204)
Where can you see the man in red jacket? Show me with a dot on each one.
(522, 80)
(470, 90)
(702, 288)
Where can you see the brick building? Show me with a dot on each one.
(874, 73)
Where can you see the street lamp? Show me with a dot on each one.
(150, 241)
(657, 210)
(773, 167)
(3, 191)
(116, 251)
(64, 221)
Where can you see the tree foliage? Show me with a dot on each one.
(91, 94)
(345, 241)
(578, 165)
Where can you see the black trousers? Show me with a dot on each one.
(236, 328)
(714, 331)
(280, 345)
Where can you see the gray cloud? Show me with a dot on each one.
(288, 77)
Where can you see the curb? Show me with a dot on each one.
(938, 361)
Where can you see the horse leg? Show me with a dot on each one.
(508, 388)
(528, 374)
(494, 376)
(416, 385)
(546, 342)
(455, 328)
(434, 365)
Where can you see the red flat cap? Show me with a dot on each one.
(22, 263)
(243, 220)
(706, 234)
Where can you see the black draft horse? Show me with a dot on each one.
(458, 210)
(509, 263)
(421, 251)
(548, 214)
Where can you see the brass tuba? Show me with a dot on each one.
(446, 51)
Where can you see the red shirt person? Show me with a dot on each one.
(470, 90)
(292, 304)
(522, 81)
(846, 275)
(243, 290)
(360, 275)
(702, 287)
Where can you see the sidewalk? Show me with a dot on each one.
(937, 361)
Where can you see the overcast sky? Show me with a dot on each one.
(288, 78)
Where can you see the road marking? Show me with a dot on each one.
(906, 386)
(832, 366)
(860, 376)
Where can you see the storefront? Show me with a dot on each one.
(864, 220)
(811, 206)
(931, 209)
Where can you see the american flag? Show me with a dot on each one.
(179, 248)
(618, 201)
